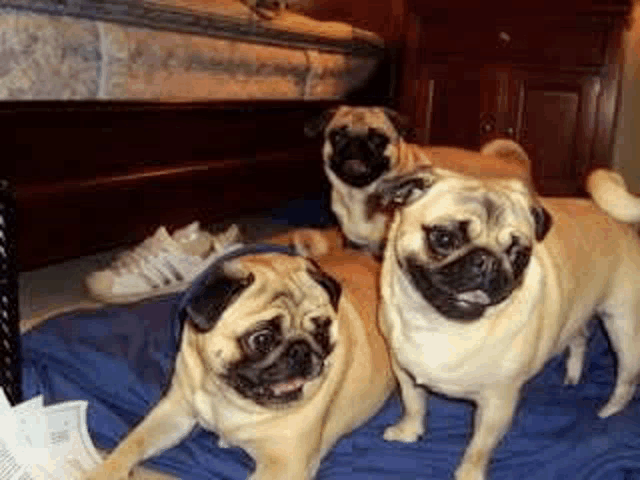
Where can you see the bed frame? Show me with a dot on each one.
(91, 176)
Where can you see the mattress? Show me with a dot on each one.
(176, 51)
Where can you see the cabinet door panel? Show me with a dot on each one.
(455, 108)
(551, 129)
(559, 118)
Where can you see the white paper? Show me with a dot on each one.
(5, 406)
(14, 460)
(45, 443)
(69, 444)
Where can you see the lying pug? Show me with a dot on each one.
(279, 355)
(364, 145)
(483, 282)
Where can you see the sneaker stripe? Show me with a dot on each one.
(164, 268)
(164, 277)
(177, 274)
(149, 280)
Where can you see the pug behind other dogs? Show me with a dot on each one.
(364, 145)
(279, 355)
(483, 282)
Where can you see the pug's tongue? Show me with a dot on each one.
(286, 387)
(474, 296)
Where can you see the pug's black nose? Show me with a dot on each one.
(299, 358)
(483, 263)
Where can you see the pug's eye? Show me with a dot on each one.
(443, 240)
(339, 137)
(377, 140)
(321, 333)
(262, 341)
(519, 256)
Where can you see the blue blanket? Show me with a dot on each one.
(119, 359)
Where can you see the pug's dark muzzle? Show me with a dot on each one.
(358, 160)
(465, 287)
(279, 378)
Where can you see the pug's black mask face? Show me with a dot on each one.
(275, 367)
(358, 160)
(474, 279)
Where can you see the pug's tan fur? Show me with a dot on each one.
(587, 263)
(288, 441)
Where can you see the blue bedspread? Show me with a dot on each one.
(118, 358)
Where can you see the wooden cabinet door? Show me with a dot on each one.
(564, 120)
(448, 110)
(560, 124)
(552, 86)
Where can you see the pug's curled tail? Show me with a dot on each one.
(610, 193)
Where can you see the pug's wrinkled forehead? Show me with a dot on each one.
(487, 204)
(292, 281)
(291, 284)
(358, 121)
(283, 281)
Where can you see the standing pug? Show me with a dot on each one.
(364, 145)
(483, 282)
(279, 355)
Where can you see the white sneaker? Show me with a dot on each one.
(161, 264)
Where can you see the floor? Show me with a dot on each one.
(59, 288)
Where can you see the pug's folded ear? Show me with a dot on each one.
(401, 123)
(213, 296)
(326, 281)
(401, 190)
(542, 221)
(315, 126)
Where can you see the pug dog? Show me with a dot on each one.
(483, 282)
(364, 145)
(280, 355)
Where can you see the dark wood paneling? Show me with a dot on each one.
(58, 223)
(91, 176)
(91, 143)
(489, 9)
(546, 74)
(551, 123)
(581, 42)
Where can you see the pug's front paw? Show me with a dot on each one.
(407, 430)
(102, 472)
(469, 472)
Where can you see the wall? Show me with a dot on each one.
(626, 149)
